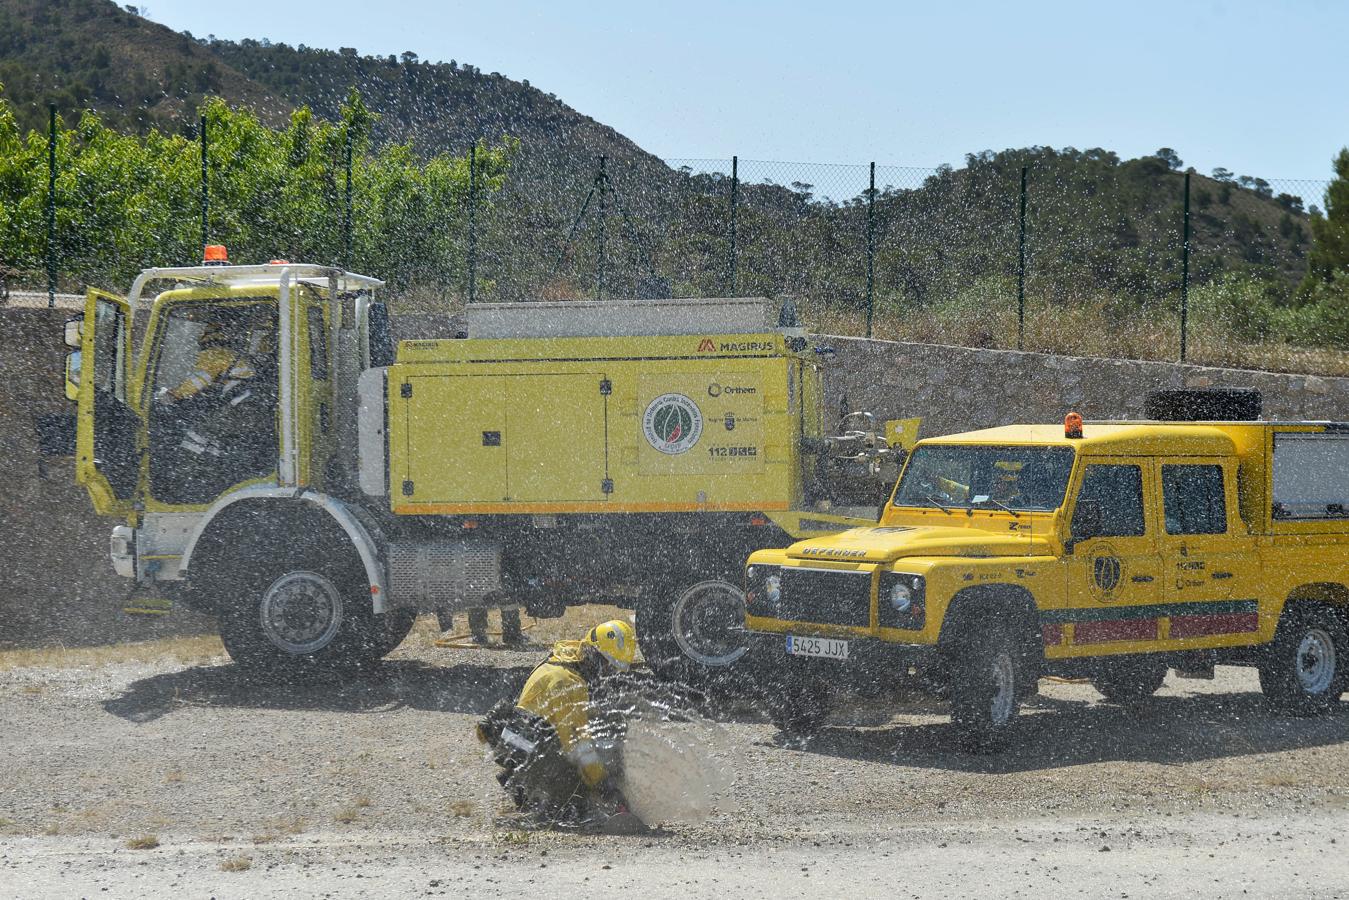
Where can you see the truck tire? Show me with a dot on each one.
(306, 612)
(692, 633)
(397, 625)
(1302, 672)
(1129, 680)
(985, 671)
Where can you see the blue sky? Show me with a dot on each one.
(1256, 87)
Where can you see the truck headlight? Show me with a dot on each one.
(773, 589)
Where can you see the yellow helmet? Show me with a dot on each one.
(615, 641)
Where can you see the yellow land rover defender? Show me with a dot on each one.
(1108, 550)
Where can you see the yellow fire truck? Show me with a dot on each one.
(1110, 550)
(279, 468)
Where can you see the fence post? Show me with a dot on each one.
(1021, 270)
(205, 190)
(871, 249)
(603, 179)
(473, 222)
(735, 191)
(51, 205)
(1185, 271)
(346, 205)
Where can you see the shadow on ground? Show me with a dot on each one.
(1053, 733)
(394, 684)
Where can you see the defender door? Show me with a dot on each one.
(1114, 572)
(108, 427)
(1206, 557)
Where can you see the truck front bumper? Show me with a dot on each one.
(872, 667)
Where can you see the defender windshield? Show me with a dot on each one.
(972, 477)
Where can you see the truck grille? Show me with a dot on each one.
(827, 597)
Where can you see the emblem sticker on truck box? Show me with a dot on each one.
(672, 423)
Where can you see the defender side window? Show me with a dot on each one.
(1193, 499)
(1117, 492)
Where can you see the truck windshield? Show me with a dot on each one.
(988, 477)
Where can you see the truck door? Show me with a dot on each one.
(1204, 552)
(108, 428)
(1114, 570)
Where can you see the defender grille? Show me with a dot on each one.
(444, 573)
(827, 597)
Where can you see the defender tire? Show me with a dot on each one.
(1127, 680)
(1302, 672)
(986, 673)
(801, 709)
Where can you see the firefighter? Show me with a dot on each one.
(559, 743)
(224, 407)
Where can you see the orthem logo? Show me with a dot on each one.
(707, 346)
(672, 424)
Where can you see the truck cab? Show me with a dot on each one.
(1108, 550)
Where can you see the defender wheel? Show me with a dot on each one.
(302, 613)
(985, 689)
(1302, 672)
(1126, 681)
(691, 632)
(801, 709)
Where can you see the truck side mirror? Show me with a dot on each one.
(1087, 523)
(381, 337)
(74, 331)
(74, 362)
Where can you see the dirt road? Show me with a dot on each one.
(168, 772)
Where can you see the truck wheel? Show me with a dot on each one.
(303, 613)
(696, 631)
(985, 688)
(1127, 681)
(396, 627)
(1301, 673)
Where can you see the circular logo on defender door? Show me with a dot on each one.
(672, 423)
(1106, 571)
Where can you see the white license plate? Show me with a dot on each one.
(829, 648)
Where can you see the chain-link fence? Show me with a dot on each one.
(1063, 251)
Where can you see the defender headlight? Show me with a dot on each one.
(901, 601)
(901, 597)
(763, 590)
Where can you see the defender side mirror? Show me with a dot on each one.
(74, 331)
(74, 363)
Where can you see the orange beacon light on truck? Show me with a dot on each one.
(1072, 425)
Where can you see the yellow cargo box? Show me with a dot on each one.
(682, 423)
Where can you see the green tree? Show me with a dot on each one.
(1330, 231)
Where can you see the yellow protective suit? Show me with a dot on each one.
(212, 365)
(557, 693)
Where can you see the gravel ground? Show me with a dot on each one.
(163, 777)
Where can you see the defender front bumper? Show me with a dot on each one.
(872, 666)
